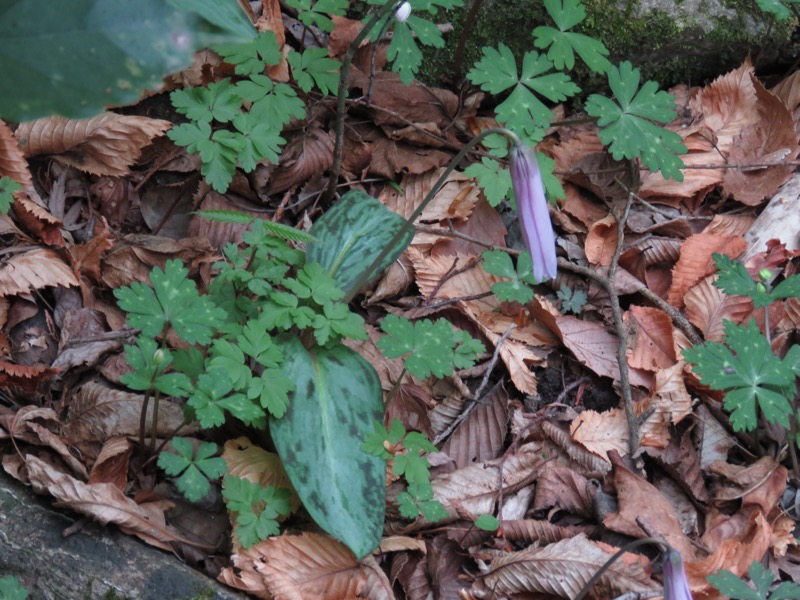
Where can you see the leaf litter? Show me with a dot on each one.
(113, 198)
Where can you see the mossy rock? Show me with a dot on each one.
(672, 41)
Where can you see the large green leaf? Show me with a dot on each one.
(336, 402)
(352, 234)
(74, 57)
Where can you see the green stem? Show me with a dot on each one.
(640, 542)
(341, 97)
(367, 274)
(143, 418)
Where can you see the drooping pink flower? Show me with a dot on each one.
(533, 214)
(676, 587)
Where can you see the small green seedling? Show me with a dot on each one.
(257, 508)
(193, 469)
(736, 589)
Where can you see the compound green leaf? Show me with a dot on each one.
(74, 59)
(352, 234)
(337, 400)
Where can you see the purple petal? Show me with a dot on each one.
(675, 585)
(534, 216)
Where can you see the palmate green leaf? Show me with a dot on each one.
(431, 345)
(494, 180)
(195, 469)
(496, 72)
(172, 300)
(314, 12)
(337, 402)
(274, 103)
(260, 140)
(219, 101)
(218, 153)
(626, 125)
(257, 508)
(252, 57)
(733, 586)
(314, 66)
(519, 288)
(271, 390)
(562, 42)
(374, 442)
(148, 364)
(750, 374)
(337, 321)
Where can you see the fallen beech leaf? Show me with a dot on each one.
(650, 343)
(305, 566)
(480, 437)
(696, 262)
(107, 144)
(601, 241)
(564, 489)
(708, 307)
(34, 270)
(105, 503)
(562, 569)
(601, 432)
(12, 161)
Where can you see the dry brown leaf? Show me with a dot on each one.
(411, 572)
(575, 451)
(650, 343)
(107, 144)
(564, 489)
(682, 462)
(480, 437)
(601, 241)
(601, 432)
(98, 413)
(596, 348)
(12, 161)
(455, 199)
(530, 531)
(104, 503)
(708, 307)
(770, 140)
(747, 536)
(111, 465)
(638, 500)
(577, 205)
(306, 566)
(305, 155)
(34, 270)
(715, 441)
(562, 569)
(670, 403)
(696, 263)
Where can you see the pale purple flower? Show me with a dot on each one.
(534, 217)
(675, 585)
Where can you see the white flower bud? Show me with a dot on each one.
(403, 12)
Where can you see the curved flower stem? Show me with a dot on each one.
(409, 222)
(341, 96)
(640, 542)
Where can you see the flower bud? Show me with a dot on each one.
(676, 587)
(159, 357)
(403, 12)
(534, 217)
(765, 275)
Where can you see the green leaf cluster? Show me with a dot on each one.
(733, 278)
(735, 588)
(780, 8)
(431, 348)
(572, 301)
(408, 461)
(403, 52)
(193, 469)
(315, 12)
(564, 44)
(257, 508)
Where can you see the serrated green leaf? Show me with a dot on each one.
(566, 14)
(626, 127)
(497, 71)
(492, 179)
(750, 374)
(252, 57)
(375, 440)
(733, 278)
(313, 12)
(257, 508)
(274, 103)
(218, 101)
(173, 300)
(8, 187)
(518, 289)
(196, 469)
(352, 234)
(314, 66)
(261, 141)
(319, 439)
(732, 586)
